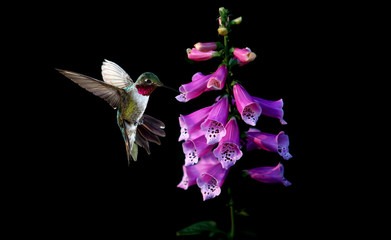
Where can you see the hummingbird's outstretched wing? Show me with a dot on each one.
(115, 75)
(110, 93)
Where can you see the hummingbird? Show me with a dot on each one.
(130, 99)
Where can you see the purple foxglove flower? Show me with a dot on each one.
(213, 126)
(212, 179)
(228, 150)
(195, 148)
(196, 55)
(205, 47)
(207, 174)
(217, 80)
(271, 108)
(244, 55)
(246, 105)
(201, 83)
(195, 88)
(275, 143)
(198, 76)
(189, 176)
(191, 173)
(191, 124)
(269, 174)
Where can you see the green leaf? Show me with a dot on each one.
(242, 212)
(199, 228)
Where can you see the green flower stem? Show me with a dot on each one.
(226, 61)
(226, 51)
(231, 234)
(228, 86)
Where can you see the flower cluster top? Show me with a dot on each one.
(211, 135)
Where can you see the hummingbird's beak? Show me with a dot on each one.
(172, 89)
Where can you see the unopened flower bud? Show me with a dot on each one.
(207, 46)
(222, 11)
(223, 31)
(236, 21)
(196, 55)
(244, 55)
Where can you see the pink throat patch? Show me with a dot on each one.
(145, 90)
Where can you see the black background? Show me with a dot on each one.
(75, 181)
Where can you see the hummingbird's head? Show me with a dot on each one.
(146, 83)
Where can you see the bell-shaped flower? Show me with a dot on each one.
(217, 80)
(195, 88)
(191, 124)
(208, 174)
(195, 148)
(228, 150)
(271, 108)
(274, 143)
(210, 181)
(197, 55)
(213, 126)
(207, 46)
(189, 177)
(248, 108)
(192, 172)
(244, 55)
(201, 83)
(269, 174)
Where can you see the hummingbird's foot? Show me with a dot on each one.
(139, 122)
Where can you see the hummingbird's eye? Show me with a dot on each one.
(148, 81)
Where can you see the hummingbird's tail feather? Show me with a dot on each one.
(154, 125)
(141, 141)
(149, 131)
(140, 135)
(147, 135)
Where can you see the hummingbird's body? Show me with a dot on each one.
(130, 99)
